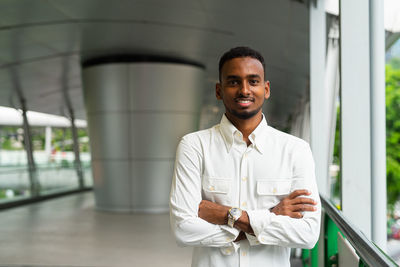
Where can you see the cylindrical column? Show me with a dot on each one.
(378, 125)
(137, 112)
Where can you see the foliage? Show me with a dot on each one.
(393, 132)
(336, 154)
(392, 135)
(11, 138)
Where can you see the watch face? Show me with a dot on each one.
(235, 212)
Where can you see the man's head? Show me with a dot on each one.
(240, 51)
(242, 86)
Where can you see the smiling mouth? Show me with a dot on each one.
(243, 101)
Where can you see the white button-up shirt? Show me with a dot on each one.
(217, 165)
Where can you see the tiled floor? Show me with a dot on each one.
(68, 231)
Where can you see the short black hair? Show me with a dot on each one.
(240, 51)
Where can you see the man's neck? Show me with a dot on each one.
(245, 126)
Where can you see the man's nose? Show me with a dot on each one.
(245, 88)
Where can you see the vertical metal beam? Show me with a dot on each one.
(332, 83)
(355, 113)
(68, 103)
(319, 129)
(34, 182)
(318, 118)
(47, 143)
(78, 164)
(378, 125)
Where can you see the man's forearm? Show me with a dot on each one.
(218, 214)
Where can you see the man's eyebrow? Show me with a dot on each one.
(254, 76)
(232, 77)
(236, 77)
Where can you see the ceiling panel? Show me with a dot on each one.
(44, 42)
(27, 12)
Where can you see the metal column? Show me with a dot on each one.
(34, 182)
(47, 146)
(355, 113)
(78, 164)
(378, 125)
(319, 118)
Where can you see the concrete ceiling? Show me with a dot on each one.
(44, 42)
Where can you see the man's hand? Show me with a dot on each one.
(213, 212)
(293, 205)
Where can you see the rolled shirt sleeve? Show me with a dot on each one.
(272, 229)
(185, 198)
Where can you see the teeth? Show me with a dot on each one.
(244, 101)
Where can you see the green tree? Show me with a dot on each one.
(393, 133)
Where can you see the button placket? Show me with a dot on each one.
(244, 254)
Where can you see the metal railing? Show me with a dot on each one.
(335, 222)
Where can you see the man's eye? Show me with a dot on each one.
(254, 82)
(233, 82)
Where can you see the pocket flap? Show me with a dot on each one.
(274, 187)
(221, 186)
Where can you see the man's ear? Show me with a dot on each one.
(218, 91)
(267, 90)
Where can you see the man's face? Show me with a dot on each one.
(242, 87)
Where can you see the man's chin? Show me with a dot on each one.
(245, 115)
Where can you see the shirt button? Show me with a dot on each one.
(245, 155)
(274, 190)
(244, 253)
(211, 188)
(244, 179)
(244, 204)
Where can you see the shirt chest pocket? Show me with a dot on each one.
(271, 191)
(217, 190)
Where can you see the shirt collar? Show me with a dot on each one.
(257, 137)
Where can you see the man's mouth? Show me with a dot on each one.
(244, 102)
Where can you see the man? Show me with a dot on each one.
(243, 193)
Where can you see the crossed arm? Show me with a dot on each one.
(292, 206)
(197, 222)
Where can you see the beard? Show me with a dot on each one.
(244, 114)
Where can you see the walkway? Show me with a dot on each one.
(68, 231)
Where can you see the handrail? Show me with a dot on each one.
(368, 251)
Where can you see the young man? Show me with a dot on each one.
(243, 192)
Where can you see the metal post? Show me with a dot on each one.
(34, 182)
(355, 113)
(332, 83)
(318, 116)
(47, 146)
(78, 164)
(378, 125)
(68, 103)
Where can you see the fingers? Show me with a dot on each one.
(303, 207)
(299, 192)
(303, 200)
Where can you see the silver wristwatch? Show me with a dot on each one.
(233, 215)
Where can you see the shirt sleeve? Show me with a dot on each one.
(272, 229)
(185, 197)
